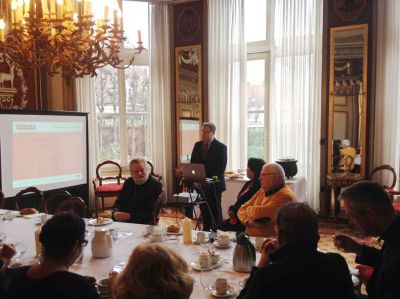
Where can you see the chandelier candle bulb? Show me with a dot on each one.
(105, 13)
(187, 231)
(139, 36)
(2, 26)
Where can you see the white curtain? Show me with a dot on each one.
(85, 99)
(387, 106)
(295, 93)
(160, 90)
(227, 77)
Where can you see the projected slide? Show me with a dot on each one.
(56, 147)
(45, 151)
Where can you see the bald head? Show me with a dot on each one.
(272, 176)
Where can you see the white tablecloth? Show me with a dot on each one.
(233, 186)
(22, 229)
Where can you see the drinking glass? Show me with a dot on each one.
(207, 280)
(20, 249)
(2, 232)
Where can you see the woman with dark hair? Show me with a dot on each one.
(63, 239)
(254, 166)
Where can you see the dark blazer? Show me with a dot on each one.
(214, 162)
(385, 280)
(300, 271)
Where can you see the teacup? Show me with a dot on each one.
(204, 260)
(156, 237)
(221, 286)
(224, 240)
(149, 230)
(102, 286)
(214, 258)
(201, 237)
(258, 243)
(43, 219)
(9, 215)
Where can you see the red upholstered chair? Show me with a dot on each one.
(107, 186)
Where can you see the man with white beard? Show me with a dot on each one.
(138, 195)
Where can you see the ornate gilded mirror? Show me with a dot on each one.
(188, 99)
(348, 99)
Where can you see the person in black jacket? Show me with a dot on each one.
(213, 154)
(369, 206)
(292, 267)
(138, 195)
(254, 166)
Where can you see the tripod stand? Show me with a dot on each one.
(202, 202)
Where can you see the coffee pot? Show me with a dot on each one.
(102, 243)
(244, 255)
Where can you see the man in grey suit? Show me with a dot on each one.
(213, 154)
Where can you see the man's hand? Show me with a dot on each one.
(347, 244)
(122, 216)
(268, 247)
(252, 223)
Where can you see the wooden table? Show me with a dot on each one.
(337, 181)
(22, 230)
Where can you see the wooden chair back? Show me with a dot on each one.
(385, 167)
(30, 197)
(156, 175)
(54, 200)
(75, 204)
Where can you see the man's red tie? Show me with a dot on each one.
(205, 150)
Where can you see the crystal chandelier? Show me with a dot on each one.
(63, 36)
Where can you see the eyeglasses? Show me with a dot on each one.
(83, 242)
(266, 174)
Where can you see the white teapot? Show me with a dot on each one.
(102, 244)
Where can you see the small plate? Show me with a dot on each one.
(177, 234)
(230, 292)
(222, 246)
(93, 222)
(198, 242)
(196, 266)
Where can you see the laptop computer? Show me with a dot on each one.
(193, 172)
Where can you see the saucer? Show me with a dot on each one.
(196, 266)
(230, 292)
(104, 221)
(222, 246)
(195, 241)
(177, 233)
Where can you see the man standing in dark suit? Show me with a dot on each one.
(212, 153)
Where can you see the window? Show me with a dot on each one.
(122, 96)
(256, 82)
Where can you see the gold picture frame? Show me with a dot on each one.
(188, 96)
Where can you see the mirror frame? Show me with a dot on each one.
(333, 30)
(188, 108)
